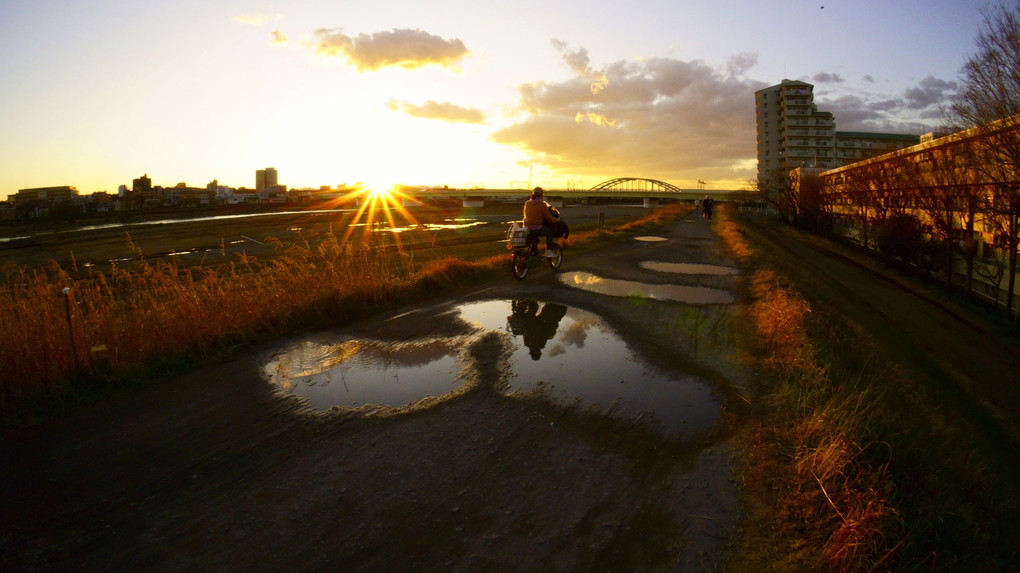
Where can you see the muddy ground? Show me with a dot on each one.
(216, 470)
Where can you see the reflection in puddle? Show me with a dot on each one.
(650, 239)
(434, 226)
(689, 268)
(573, 355)
(354, 373)
(617, 287)
(566, 354)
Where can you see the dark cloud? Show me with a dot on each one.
(931, 91)
(826, 78)
(919, 108)
(408, 49)
(443, 111)
(658, 117)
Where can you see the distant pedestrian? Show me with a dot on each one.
(706, 207)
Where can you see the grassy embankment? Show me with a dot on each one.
(139, 322)
(851, 464)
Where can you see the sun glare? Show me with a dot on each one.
(379, 190)
(378, 202)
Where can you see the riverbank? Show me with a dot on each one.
(212, 236)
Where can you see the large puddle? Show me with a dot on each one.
(617, 287)
(566, 354)
(355, 373)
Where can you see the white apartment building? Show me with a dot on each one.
(791, 131)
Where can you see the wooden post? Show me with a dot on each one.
(70, 328)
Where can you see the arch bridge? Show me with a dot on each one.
(648, 190)
(639, 184)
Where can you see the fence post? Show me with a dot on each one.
(70, 329)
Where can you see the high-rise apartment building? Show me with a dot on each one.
(266, 178)
(792, 133)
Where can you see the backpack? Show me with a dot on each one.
(560, 229)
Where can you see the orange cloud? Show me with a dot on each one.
(443, 111)
(409, 49)
(278, 37)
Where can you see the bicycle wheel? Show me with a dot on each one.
(554, 262)
(519, 262)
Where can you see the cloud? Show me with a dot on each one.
(443, 111)
(278, 37)
(918, 108)
(577, 60)
(409, 49)
(930, 91)
(827, 78)
(659, 118)
(739, 64)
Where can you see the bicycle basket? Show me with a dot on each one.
(518, 236)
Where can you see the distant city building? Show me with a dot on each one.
(265, 178)
(45, 195)
(142, 185)
(792, 132)
(182, 195)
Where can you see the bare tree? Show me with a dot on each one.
(777, 190)
(989, 100)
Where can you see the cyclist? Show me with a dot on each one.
(539, 218)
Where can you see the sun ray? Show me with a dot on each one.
(376, 203)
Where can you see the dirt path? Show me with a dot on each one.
(215, 471)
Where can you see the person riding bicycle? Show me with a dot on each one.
(539, 218)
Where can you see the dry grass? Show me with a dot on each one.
(817, 498)
(815, 501)
(132, 317)
(855, 461)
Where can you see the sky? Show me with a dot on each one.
(462, 93)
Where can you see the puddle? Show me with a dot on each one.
(435, 226)
(689, 268)
(617, 287)
(354, 373)
(650, 239)
(567, 354)
(572, 355)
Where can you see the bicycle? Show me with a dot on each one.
(523, 246)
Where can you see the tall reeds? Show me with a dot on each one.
(133, 316)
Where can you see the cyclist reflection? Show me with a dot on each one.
(536, 326)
